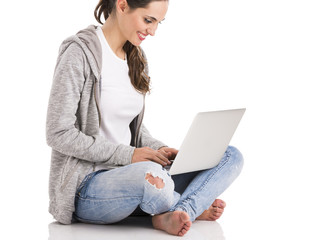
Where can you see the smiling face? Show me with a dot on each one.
(136, 24)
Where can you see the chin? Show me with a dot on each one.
(136, 43)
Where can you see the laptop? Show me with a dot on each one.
(206, 141)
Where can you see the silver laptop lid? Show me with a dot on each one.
(206, 141)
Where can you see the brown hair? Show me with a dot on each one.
(135, 58)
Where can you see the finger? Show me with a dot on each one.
(168, 155)
(163, 158)
(173, 152)
(158, 160)
(164, 153)
(154, 156)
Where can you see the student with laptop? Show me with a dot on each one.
(105, 165)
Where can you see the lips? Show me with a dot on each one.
(141, 36)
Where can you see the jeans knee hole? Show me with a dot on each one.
(155, 180)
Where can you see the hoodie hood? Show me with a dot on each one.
(90, 44)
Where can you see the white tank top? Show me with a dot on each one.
(119, 103)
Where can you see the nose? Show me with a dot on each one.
(152, 30)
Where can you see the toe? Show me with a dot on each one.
(187, 226)
(183, 232)
(219, 203)
(219, 210)
(217, 214)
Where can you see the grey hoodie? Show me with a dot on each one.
(73, 121)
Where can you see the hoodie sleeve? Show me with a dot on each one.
(61, 133)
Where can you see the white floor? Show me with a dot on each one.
(132, 228)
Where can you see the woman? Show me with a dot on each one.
(105, 165)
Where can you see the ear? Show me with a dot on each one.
(121, 5)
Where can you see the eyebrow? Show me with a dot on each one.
(154, 19)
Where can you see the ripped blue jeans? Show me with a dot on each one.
(109, 196)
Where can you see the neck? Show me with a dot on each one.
(114, 37)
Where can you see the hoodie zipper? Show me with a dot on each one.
(99, 114)
(96, 100)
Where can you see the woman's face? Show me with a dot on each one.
(136, 24)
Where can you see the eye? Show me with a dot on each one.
(147, 20)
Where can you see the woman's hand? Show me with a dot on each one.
(172, 152)
(160, 156)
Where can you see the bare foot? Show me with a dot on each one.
(176, 223)
(214, 211)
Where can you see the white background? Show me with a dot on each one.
(266, 56)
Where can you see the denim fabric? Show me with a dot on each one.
(109, 196)
(207, 185)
